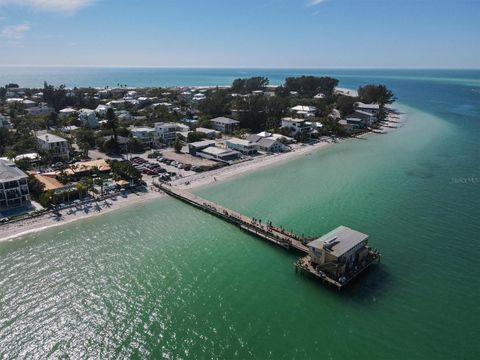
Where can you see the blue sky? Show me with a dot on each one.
(242, 33)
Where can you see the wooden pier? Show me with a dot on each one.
(267, 231)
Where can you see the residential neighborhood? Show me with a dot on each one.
(76, 144)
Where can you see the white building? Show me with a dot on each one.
(13, 187)
(101, 110)
(29, 103)
(246, 147)
(88, 118)
(199, 97)
(304, 111)
(167, 132)
(67, 112)
(267, 143)
(55, 145)
(295, 125)
(145, 134)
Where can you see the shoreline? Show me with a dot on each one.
(29, 226)
(15, 230)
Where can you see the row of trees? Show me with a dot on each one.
(308, 86)
(246, 86)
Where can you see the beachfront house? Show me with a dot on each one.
(246, 147)
(295, 125)
(371, 108)
(146, 135)
(368, 118)
(339, 251)
(268, 143)
(88, 118)
(354, 122)
(56, 146)
(224, 124)
(346, 126)
(14, 192)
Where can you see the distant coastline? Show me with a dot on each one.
(101, 76)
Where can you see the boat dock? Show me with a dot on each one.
(267, 231)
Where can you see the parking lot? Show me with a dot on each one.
(165, 169)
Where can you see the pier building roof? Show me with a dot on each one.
(339, 241)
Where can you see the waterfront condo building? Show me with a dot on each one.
(14, 191)
(55, 145)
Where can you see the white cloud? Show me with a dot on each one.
(311, 2)
(15, 31)
(49, 5)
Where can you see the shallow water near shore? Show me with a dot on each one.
(163, 279)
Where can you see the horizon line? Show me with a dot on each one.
(240, 67)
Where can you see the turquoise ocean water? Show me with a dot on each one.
(164, 280)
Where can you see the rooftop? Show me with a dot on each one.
(363, 112)
(225, 120)
(368, 106)
(142, 129)
(202, 143)
(50, 138)
(241, 142)
(304, 108)
(216, 151)
(206, 131)
(338, 241)
(9, 172)
(293, 120)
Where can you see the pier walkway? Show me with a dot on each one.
(274, 234)
(267, 231)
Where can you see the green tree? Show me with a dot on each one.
(216, 104)
(10, 154)
(135, 145)
(194, 136)
(177, 145)
(346, 104)
(36, 187)
(311, 85)
(379, 94)
(246, 86)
